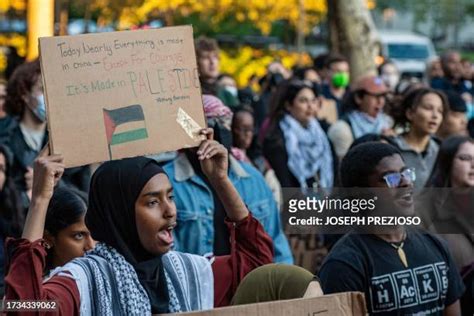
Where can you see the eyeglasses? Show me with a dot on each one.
(465, 157)
(394, 179)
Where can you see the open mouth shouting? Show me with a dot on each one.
(165, 236)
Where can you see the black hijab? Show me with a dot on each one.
(114, 189)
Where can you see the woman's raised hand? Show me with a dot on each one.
(47, 171)
(213, 157)
(214, 160)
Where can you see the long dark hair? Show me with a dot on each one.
(349, 102)
(286, 92)
(66, 207)
(11, 207)
(411, 101)
(441, 175)
(20, 85)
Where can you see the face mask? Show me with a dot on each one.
(340, 79)
(232, 90)
(470, 111)
(40, 110)
(391, 80)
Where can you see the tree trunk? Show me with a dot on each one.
(300, 30)
(63, 17)
(353, 34)
(87, 16)
(333, 29)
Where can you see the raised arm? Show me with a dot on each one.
(26, 257)
(47, 172)
(251, 246)
(214, 161)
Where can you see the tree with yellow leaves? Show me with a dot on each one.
(261, 13)
(16, 5)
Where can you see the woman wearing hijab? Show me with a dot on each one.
(132, 271)
(274, 282)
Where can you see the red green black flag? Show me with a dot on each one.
(117, 117)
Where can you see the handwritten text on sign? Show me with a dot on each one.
(146, 74)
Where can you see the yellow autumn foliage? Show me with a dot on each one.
(18, 5)
(261, 12)
(16, 40)
(247, 61)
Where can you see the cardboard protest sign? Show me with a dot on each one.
(121, 94)
(341, 304)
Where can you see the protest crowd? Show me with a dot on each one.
(202, 227)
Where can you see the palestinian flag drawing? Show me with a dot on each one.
(124, 125)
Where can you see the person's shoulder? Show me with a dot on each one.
(169, 166)
(438, 83)
(177, 256)
(179, 161)
(395, 140)
(339, 127)
(428, 236)
(251, 178)
(251, 170)
(347, 248)
(431, 240)
(325, 125)
(77, 268)
(340, 123)
(326, 91)
(7, 124)
(274, 130)
(16, 141)
(399, 142)
(274, 136)
(435, 141)
(348, 252)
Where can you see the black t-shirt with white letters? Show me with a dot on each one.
(366, 263)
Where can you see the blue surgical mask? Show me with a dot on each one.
(470, 110)
(232, 90)
(40, 111)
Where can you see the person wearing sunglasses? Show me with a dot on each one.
(394, 179)
(362, 114)
(401, 270)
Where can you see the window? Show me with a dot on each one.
(407, 51)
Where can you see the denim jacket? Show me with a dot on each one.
(195, 207)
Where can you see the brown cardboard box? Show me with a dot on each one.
(121, 94)
(341, 304)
